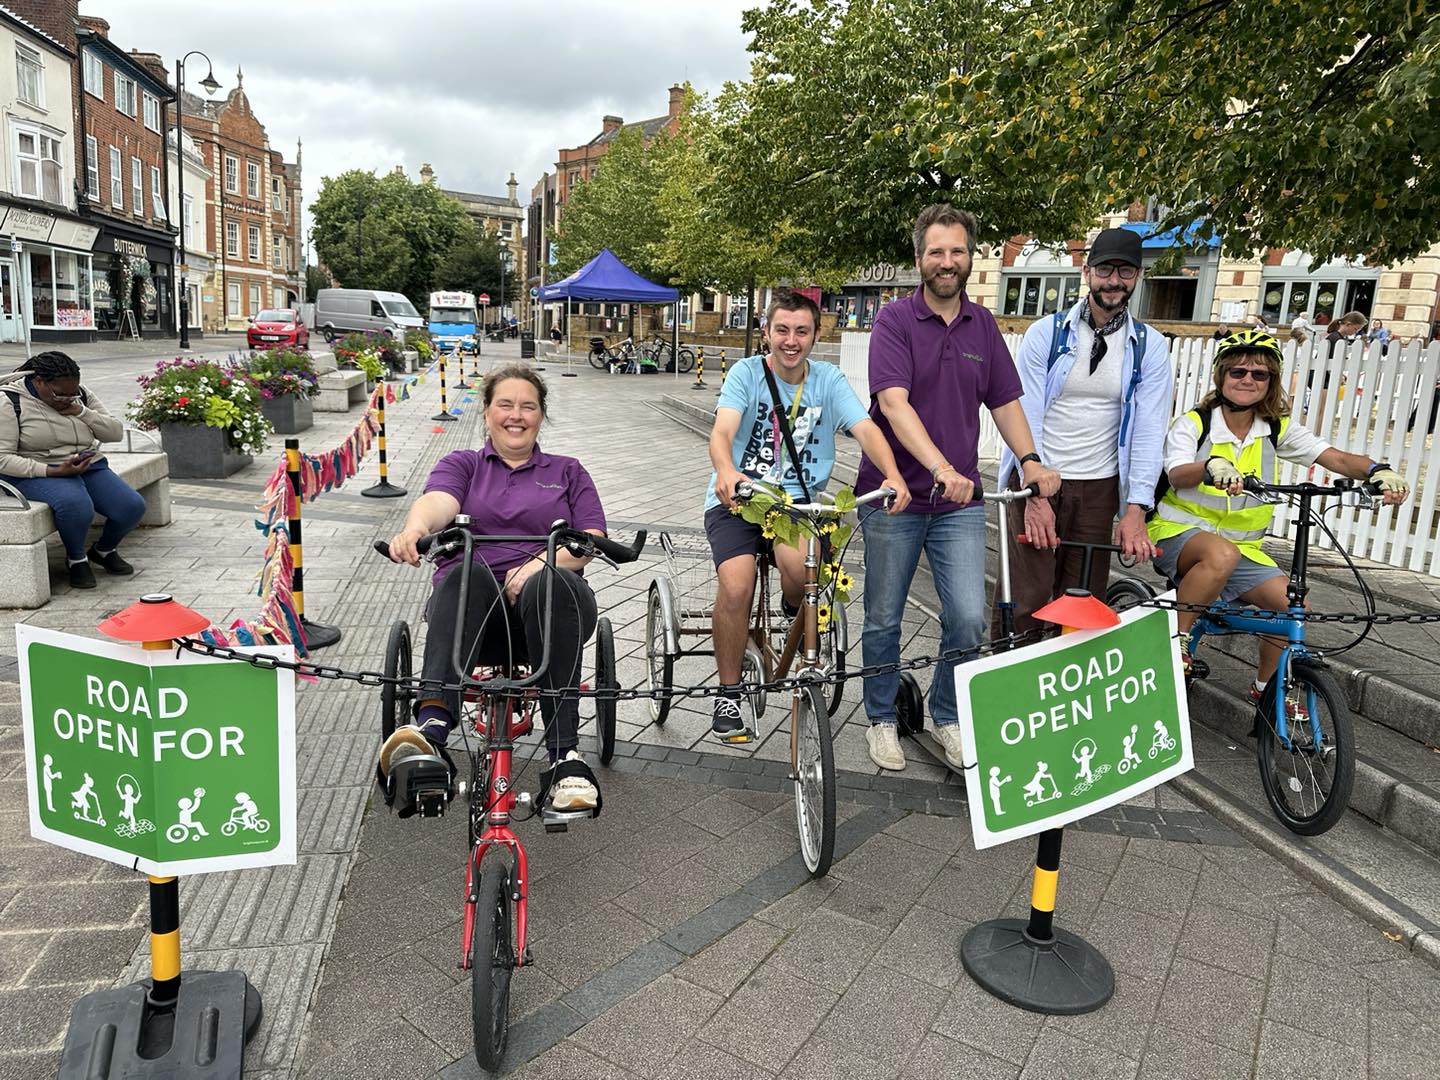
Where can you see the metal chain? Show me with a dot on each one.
(419, 686)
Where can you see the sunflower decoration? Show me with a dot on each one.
(843, 583)
(822, 618)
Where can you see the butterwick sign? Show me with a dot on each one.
(170, 765)
(1058, 731)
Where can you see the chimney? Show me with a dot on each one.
(152, 63)
(427, 174)
(95, 25)
(399, 170)
(55, 17)
(609, 124)
(677, 100)
(510, 186)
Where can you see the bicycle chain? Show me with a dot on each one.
(418, 686)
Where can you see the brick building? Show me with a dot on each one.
(504, 217)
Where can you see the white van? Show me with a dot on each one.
(341, 311)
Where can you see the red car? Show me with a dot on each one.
(274, 327)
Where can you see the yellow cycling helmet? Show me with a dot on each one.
(1250, 341)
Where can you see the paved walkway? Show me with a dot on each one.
(678, 934)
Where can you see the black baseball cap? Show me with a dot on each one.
(1115, 245)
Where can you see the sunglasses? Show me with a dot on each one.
(1260, 375)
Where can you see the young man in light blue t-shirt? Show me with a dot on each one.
(747, 443)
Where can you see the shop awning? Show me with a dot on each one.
(1153, 240)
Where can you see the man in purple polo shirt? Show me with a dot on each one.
(935, 359)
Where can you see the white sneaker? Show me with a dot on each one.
(574, 792)
(948, 736)
(884, 746)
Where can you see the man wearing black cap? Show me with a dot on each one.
(1098, 393)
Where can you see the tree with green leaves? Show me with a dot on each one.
(316, 278)
(615, 209)
(1312, 126)
(384, 232)
(473, 263)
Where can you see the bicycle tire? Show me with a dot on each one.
(814, 780)
(838, 635)
(687, 361)
(660, 665)
(909, 706)
(599, 360)
(492, 961)
(1126, 592)
(1309, 791)
(605, 679)
(395, 704)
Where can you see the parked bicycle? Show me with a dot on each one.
(661, 350)
(499, 706)
(622, 359)
(1305, 741)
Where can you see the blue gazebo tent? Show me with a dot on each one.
(605, 278)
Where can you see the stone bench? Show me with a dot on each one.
(27, 535)
(341, 389)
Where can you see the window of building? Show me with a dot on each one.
(252, 180)
(60, 293)
(152, 111)
(94, 76)
(707, 301)
(254, 299)
(187, 209)
(232, 173)
(277, 197)
(275, 252)
(125, 94)
(574, 177)
(232, 239)
(254, 243)
(117, 179)
(232, 299)
(279, 296)
(1039, 294)
(157, 197)
(92, 167)
(30, 75)
(38, 170)
(137, 187)
(507, 230)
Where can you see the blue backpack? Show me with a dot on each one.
(1060, 338)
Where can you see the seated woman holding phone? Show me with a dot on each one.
(51, 429)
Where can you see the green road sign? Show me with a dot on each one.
(1057, 731)
(170, 765)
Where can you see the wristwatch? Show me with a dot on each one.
(1032, 456)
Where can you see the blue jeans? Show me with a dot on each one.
(75, 500)
(954, 543)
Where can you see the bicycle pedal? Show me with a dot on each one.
(1199, 670)
(734, 738)
(421, 785)
(559, 820)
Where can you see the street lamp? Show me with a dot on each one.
(505, 264)
(210, 86)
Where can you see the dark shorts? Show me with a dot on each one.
(731, 535)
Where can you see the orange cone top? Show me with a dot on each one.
(1079, 610)
(157, 617)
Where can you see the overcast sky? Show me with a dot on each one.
(477, 89)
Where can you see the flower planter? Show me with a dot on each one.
(289, 414)
(201, 453)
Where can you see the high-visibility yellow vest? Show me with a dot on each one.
(1241, 519)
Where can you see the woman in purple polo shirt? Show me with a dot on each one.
(510, 486)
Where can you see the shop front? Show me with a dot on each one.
(860, 301)
(134, 275)
(46, 276)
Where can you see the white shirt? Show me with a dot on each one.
(1297, 444)
(1082, 428)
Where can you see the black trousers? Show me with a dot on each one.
(497, 633)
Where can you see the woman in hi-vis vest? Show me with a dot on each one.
(1208, 528)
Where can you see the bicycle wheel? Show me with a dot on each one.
(605, 680)
(752, 670)
(660, 665)
(814, 780)
(492, 960)
(687, 360)
(395, 704)
(1127, 592)
(599, 359)
(909, 706)
(833, 644)
(1308, 783)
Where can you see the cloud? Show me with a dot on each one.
(477, 89)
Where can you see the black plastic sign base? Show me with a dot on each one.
(383, 490)
(319, 635)
(1061, 977)
(118, 1035)
(445, 417)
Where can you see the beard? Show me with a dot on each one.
(1107, 298)
(943, 286)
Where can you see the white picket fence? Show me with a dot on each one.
(1361, 399)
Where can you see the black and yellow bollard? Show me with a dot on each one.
(1032, 964)
(475, 372)
(193, 1023)
(444, 413)
(460, 383)
(723, 365)
(318, 635)
(384, 489)
(699, 383)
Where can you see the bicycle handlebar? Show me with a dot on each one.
(578, 543)
(745, 491)
(1009, 496)
(1341, 486)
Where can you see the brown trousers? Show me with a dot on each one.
(1085, 511)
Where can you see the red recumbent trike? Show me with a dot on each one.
(498, 707)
